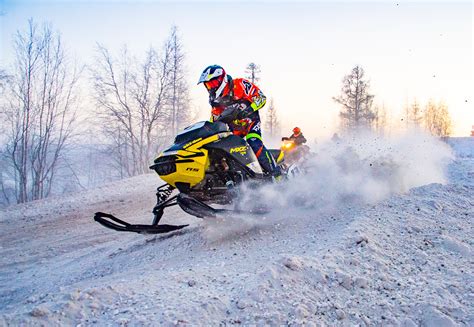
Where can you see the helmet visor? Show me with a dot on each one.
(212, 84)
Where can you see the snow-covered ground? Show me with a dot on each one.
(384, 240)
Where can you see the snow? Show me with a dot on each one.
(346, 245)
(462, 146)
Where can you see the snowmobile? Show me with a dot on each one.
(206, 164)
(295, 155)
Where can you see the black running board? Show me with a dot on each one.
(114, 223)
(198, 208)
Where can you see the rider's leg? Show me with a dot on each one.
(265, 158)
(263, 155)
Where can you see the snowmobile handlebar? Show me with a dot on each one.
(228, 115)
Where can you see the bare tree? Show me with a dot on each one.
(3, 80)
(380, 119)
(39, 112)
(253, 72)
(445, 120)
(179, 102)
(184, 113)
(272, 124)
(414, 114)
(437, 119)
(132, 100)
(6, 192)
(356, 101)
(142, 103)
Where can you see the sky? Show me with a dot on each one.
(409, 50)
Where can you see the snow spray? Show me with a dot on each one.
(360, 169)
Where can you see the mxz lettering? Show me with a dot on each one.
(192, 169)
(239, 149)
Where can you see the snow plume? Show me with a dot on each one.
(358, 170)
(362, 169)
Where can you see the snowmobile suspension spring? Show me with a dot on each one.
(164, 191)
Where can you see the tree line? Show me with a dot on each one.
(138, 105)
(359, 112)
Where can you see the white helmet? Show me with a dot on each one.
(215, 79)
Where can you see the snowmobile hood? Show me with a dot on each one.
(196, 132)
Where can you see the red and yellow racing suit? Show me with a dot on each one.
(249, 98)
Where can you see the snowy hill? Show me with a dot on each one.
(384, 239)
(462, 146)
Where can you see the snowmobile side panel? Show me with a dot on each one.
(237, 148)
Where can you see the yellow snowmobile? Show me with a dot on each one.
(206, 164)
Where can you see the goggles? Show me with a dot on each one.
(212, 84)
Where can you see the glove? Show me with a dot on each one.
(228, 115)
(245, 113)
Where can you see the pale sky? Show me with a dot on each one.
(420, 49)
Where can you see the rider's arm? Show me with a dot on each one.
(300, 139)
(215, 112)
(251, 94)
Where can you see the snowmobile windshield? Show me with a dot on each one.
(201, 129)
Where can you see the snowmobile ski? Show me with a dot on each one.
(114, 223)
(163, 194)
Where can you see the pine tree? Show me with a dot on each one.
(356, 101)
(414, 114)
(272, 123)
(253, 72)
(380, 119)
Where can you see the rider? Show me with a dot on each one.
(297, 136)
(246, 99)
(299, 150)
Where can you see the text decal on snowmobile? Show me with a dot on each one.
(192, 142)
(239, 149)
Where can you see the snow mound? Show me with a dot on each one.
(462, 146)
